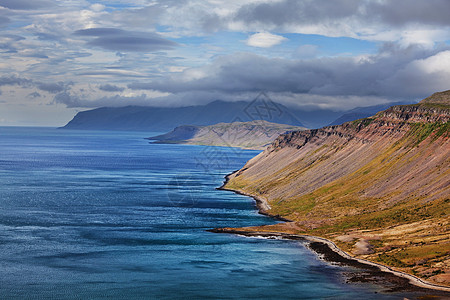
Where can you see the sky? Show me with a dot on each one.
(58, 57)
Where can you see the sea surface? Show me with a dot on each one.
(106, 215)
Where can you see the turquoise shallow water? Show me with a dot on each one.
(91, 215)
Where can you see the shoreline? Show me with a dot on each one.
(263, 206)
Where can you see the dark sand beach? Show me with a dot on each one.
(380, 274)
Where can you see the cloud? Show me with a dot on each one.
(392, 12)
(388, 20)
(73, 100)
(402, 12)
(395, 72)
(121, 40)
(53, 87)
(26, 4)
(99, 32)
(287, 12)
(67, 99)
(13, 80)
(265, 40)
(306, 51)
(34, 95)
(97, 7)
(126, 41)
(4, 20)
(111, 88)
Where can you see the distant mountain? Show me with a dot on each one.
(157, 119)
(161, 119)
(363, 112)
(250, 135)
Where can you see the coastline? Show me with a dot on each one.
(261, 203)
(321, 245)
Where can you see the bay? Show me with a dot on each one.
(106, 215)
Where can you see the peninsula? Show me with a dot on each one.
(256, 134)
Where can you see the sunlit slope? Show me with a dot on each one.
(369, 175)
(256, 134)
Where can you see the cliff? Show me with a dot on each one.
(378, 187)
(249, 135)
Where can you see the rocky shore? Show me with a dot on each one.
(372, 272)
(374, 191)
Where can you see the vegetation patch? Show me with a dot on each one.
(361, 123)
(421, 131)
(391, 260)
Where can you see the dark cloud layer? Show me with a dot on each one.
(67, 99)
(394, 72)
(121, 40)
(111, 88)
(53, 87)
(297, 12)
(40, 39)
(13, 80)
(399, 12)
(26, 4)
(308, 12)
(72, 100)
(100, 32)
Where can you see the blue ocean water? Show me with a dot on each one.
(106, 215)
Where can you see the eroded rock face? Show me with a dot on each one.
(392, 121)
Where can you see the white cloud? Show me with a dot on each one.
(437, 63)
(211, 59)
(265, 40)
(97, 7)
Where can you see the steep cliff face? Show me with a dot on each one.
(386, 171)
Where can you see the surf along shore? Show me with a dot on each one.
(330, 252)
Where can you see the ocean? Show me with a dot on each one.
(106, 215)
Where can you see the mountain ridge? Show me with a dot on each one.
(163, 119)
(378, 187)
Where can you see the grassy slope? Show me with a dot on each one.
(383, 197)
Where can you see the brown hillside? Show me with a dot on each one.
(379, 187)
(439, 98)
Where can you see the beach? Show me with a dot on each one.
(330, 252)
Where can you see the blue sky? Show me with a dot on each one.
(58, 57)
